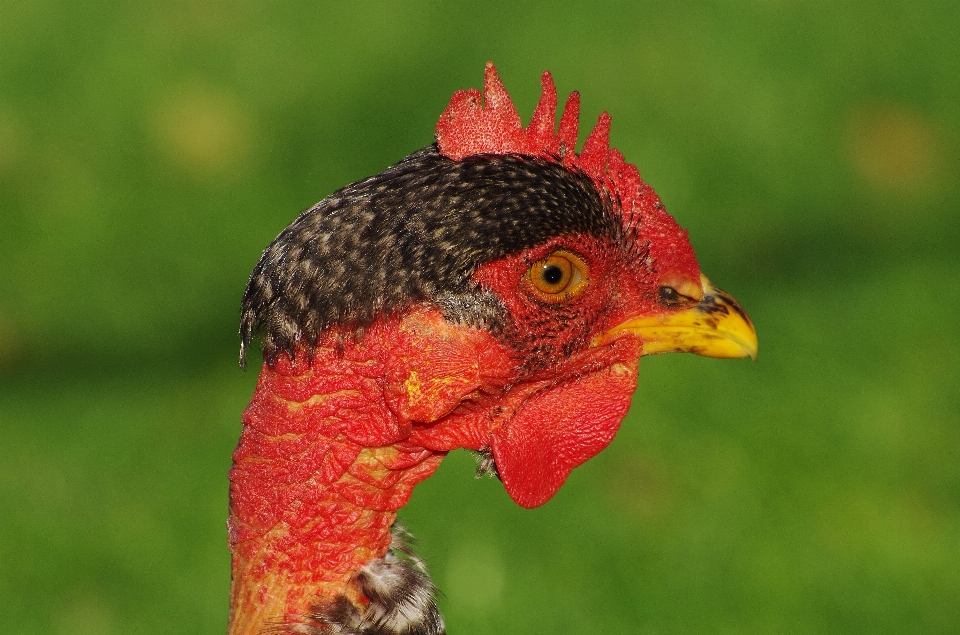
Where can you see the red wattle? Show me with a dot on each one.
(557, 429)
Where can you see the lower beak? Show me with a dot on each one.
(716, 326)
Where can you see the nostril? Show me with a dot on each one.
(678, 288)
(669, 296)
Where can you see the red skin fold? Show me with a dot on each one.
(331, 449)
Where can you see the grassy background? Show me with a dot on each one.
(150, 150)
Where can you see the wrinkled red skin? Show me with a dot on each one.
(324, 460)
(330, 450)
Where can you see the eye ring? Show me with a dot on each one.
(558, 277)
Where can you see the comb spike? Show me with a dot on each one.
(495, 96)
(468, 127)
(502, 115)
(540, 132)
(569, 125)
(593, 157)
(460, 126)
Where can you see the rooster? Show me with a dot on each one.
(493, 291)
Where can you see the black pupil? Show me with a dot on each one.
(552, 274)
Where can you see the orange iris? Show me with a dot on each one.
(558, 277)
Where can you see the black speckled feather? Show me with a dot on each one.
(417, 231)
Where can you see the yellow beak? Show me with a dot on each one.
(716, 326)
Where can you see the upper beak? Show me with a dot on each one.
(716, 326)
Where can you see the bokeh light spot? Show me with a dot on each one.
(893, 147)
(203, 130)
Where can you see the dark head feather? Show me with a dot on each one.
(415, 232)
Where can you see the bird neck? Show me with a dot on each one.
(319, 472)
(333, 443)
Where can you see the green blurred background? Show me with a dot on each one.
(150, 150)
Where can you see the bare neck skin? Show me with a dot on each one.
(328, 453)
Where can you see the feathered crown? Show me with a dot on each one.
(489, 124)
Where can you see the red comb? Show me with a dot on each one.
(489, 124)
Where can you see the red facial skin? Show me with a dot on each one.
(332, 447)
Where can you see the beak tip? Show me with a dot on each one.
(749, 345)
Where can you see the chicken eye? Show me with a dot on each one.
(558, 276)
